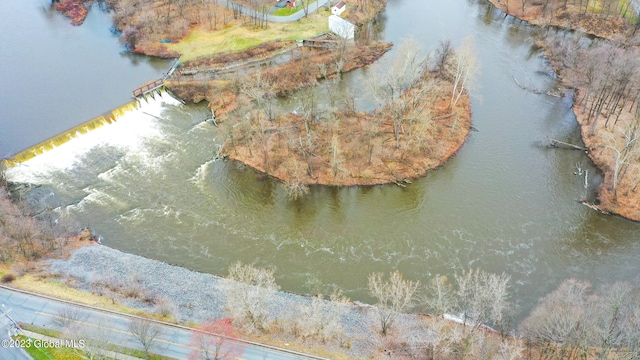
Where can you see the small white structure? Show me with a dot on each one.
(339, 8)
(341, 27)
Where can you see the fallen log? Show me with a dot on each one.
(594, 207)
(556, 143)
(537, 91)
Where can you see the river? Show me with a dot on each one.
(503, 203)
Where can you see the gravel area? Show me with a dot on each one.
(152, 285)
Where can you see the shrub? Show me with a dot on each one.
(7, 278)
(249, 294)
(165, 307)
(130, 36)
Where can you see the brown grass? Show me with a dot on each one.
(7, 278)
(303, 70)
(259, 52)
(354, 148)
(74, 9)
(627, 201)
(360, 15)
(611, 26)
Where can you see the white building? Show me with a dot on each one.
(341, 27)
(339, 8)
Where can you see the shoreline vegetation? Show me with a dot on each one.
(604, 77)
(586, 316)
(228, 58)
(607, 19)
(52, 258)
(76, 10)
(423, 118)
(573, 319)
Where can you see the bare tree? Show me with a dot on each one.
(262, 91)
(394, 296)
(305, 6)
(391, 85)
(574, 320)
(145, 332)
(439, 296)
(630, 326)
(321, 318)
(249, 294)
(21, 235)
(444, 56)
(482, 297)
(607, 311)
(294, 187)
(215, 340)
(68, 317)
(92, 340)
(625, 150)
(165, 307)
(555, 325)
(463, 70)
(511, 349)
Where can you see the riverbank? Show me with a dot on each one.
(81, 270)
(193, 297)
(610, 23)
(359, 147)
(601, 76)
(76, 10)
(356, 148)
(618, 193)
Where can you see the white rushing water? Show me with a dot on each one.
(127, 134)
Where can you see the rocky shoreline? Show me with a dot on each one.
(196, 297)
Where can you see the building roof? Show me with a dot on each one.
(340, 5)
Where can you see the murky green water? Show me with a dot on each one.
(503, 204)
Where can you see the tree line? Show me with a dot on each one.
(329, 141)
(26, 232)
(624, 8)
(606, 77)
(470, 317)
(148, 21)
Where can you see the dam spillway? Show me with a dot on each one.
(120, 126)
(70, 134)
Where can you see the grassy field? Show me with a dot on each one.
(63, 351)
(200, 43)
(46, 353)
(286, 11)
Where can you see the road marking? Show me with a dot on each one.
(121, 331)
(249, 343)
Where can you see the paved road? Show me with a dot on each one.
(293, 17)
(173, 341)
(7, 329)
